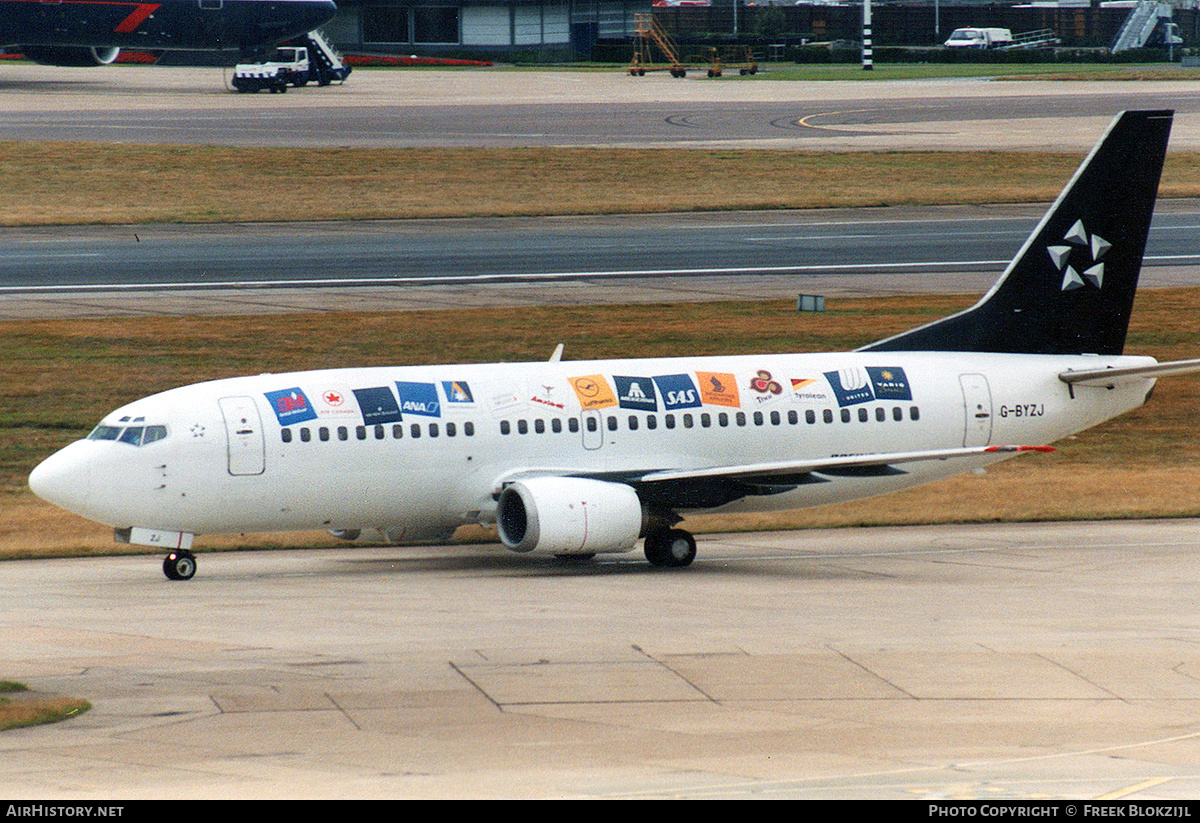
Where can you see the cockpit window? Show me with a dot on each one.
(133, 435)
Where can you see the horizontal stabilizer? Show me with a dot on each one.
(1111, 377)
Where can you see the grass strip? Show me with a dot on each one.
(50, 183)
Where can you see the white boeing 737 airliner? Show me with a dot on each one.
(583, 457)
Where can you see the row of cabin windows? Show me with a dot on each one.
(556, 425)
(378, 431)
(723, 419)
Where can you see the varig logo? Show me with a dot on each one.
(1091, 247)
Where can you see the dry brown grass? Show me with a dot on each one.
(1145, 464)
(20, 707)
(60, 183)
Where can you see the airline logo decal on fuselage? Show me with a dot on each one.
(593, 392)
(862, 385)
(636, 393)
(458, 393)
(419, 398)
(378, 405)
(291, 406)
(678, 391)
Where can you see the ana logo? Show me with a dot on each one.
(1089, 247)
(419, 398)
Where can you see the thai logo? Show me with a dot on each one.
(763, 383)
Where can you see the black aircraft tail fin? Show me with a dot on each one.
(1070, 288)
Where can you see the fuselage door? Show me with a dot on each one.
(593, 428)
(244, 431)
(977, 409)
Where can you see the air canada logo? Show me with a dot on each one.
(1080, 251)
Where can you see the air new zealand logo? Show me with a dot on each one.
(1091, 248)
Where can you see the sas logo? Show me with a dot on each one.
(419, 398)
(291, 406)
(678, 391)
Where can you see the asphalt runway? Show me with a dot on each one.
(452, 264)
(1032, 661)
(989, 661)
(575, 108)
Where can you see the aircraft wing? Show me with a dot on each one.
(847, 465)
(776, 473)
(1110, 377)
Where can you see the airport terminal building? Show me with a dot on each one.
(532, 30)
(488, 28)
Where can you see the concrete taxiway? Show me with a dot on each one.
(1047, 660)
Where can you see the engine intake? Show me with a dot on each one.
(71, 55)
(568, 515)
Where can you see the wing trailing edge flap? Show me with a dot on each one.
(860, 464)
(1111, 377)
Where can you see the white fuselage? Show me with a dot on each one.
(417, 451)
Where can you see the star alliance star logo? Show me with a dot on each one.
(1093, 245)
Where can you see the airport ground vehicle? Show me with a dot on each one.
(979, 38)
(296, 64)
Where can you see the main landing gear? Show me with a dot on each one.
(180, 565)
(670, 548)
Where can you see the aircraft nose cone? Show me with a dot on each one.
(63, 479)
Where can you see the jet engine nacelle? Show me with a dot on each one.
(71, 55)
(568, 515)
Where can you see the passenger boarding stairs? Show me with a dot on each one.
(1139, 25)
(328, 63)
(1040, 39)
